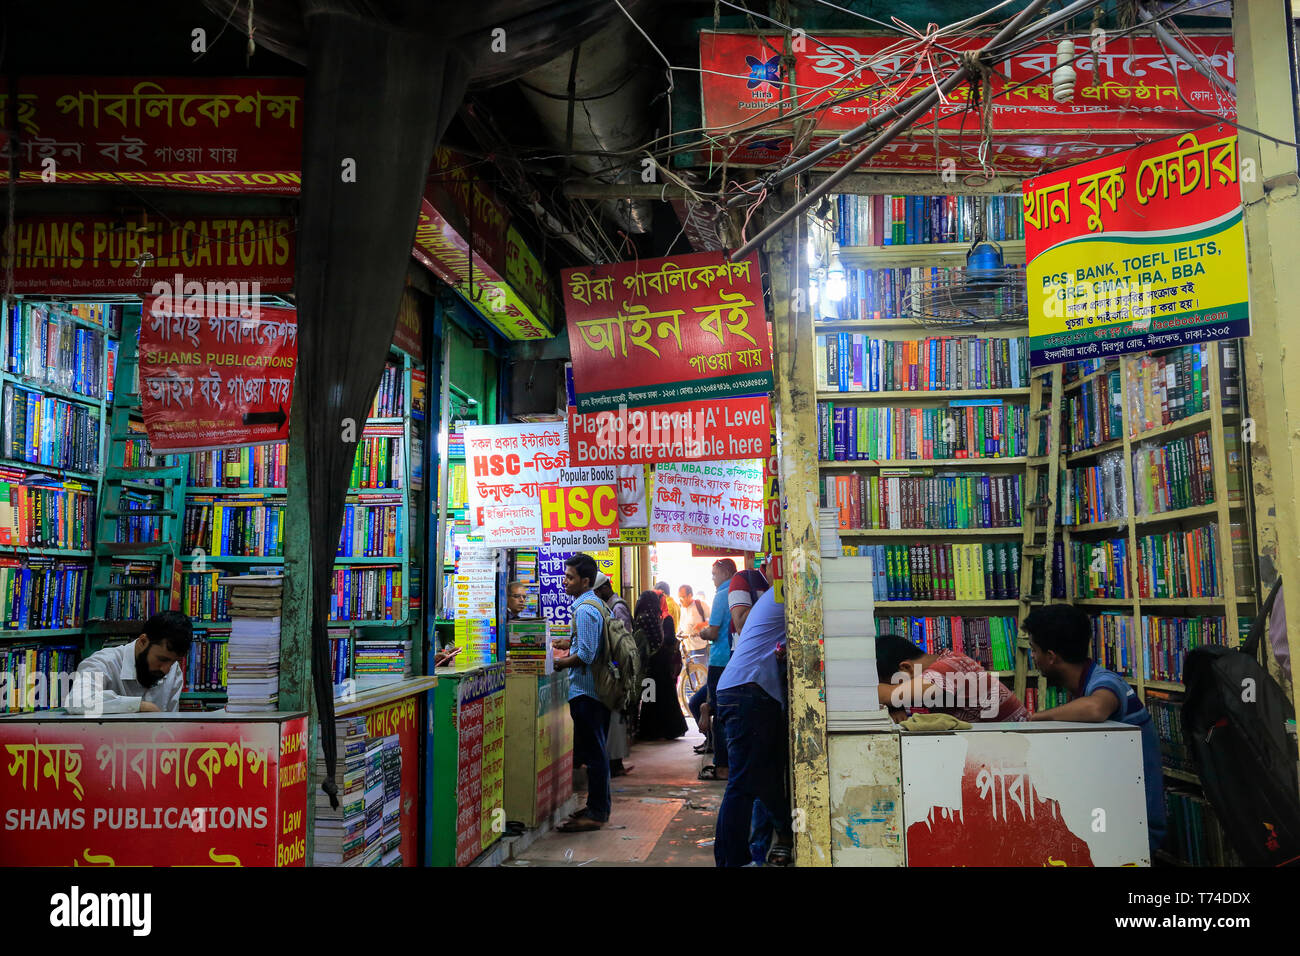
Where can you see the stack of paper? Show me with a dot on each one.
(829, 524)
(253, 664)
(392, 818)
(341, 831)
(849, 631)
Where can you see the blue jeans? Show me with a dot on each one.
(717, 736)
(756, 743)
(760, 833)
(590, 724)
(697, 700)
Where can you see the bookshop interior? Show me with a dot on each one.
(992, 399)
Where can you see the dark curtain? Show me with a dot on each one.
(378, 99)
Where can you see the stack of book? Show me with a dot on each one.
(829, 520)
(1112, 641)
(381, 662)
(374, 803)
(855, 362)
(902, 499)
(848, 625)
(527, 647)
(989, 640)
(253, 652)
(1094, 414)
(341, 830)
(391, 831)
(925, 571)
(35, 675)
(906, 220)
(967, 428)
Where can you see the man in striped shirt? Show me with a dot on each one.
(590, 716)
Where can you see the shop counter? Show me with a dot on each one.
(539, 747)
(1014, 794)
(465, 772)
(398, 708)
(182, 789)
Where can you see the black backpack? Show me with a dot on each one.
(1243, 754)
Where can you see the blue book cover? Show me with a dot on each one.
(851, 434)
(839, 449)
(842, 345)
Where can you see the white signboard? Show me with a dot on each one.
(713, 503)
(505, 465)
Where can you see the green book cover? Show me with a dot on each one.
(1198, 373)
(989, 568)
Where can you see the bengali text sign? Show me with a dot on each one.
(141, 793)
(711, 430)
(215, 374)
(655, 331)
(717, 503)
(1139, 250)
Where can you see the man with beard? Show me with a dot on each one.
(144, 676)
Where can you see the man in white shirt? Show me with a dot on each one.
(144, 676)
(695, 618)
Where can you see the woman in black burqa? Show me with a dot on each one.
(661, 717)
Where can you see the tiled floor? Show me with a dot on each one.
(662, 816)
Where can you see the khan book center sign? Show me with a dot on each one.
(1140, 250)
(658, 331)
(212, 376)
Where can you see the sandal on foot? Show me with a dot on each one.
(709, 772)
(780, 855)
(581, 825)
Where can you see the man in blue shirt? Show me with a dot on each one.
(718, 633)
(590, 716)
(1061, 638)
(751, 702)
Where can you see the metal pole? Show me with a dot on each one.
(898, 109)
(926, 102)
(1185, 54)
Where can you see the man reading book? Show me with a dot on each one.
(944, 683)
(1060, 636)
(145, 676)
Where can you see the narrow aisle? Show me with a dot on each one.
(662, 814)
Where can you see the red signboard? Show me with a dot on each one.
(102, 254)
(173, 792)
(402, 718)
(213, 379)
(1130, 84)
(227, 134)
(717, 430)
(655, 331)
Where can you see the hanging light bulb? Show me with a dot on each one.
(836, 287)
(1064, 76)
(813, 292)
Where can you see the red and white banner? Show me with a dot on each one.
(656, 331)
(1129, 85)
(173, 792)
(712, 430)
(210, 379)
(716, 503)
(506, 466)
(213, 134)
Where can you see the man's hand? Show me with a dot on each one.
(148, 708)
(561, 643)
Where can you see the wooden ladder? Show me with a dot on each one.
(1042, 472)
(165, 484)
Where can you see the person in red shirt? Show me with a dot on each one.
(944, 683)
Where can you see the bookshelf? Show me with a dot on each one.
(380, 579)
(945, 515)
(56, 380)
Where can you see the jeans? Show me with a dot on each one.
(697, 701)
(590, 723)
(756, 742)
(717, 736)
(760, 833)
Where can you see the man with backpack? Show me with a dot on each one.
(603, 658)
(622, 724)
(1061, 639)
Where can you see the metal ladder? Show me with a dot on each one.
(1042, 472)
(166, 484)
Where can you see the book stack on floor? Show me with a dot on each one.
(341, 830)
(253, 652)
(848, 625)
(526, 647)
(374, 802)
(829, 520)
(391, 831)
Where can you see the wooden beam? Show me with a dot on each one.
(796, 421)
(1271, 194)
